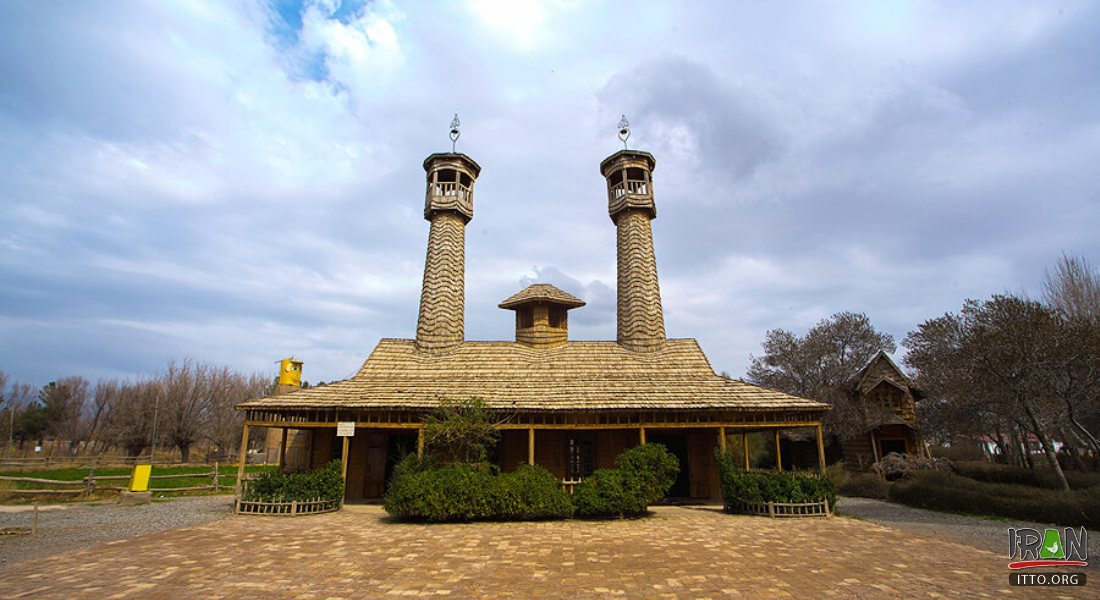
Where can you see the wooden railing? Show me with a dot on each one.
(285, 509)
(633, 186)
(450, 189)
(569, 485)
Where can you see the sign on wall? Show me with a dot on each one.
(345, 429)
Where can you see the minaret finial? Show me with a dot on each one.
(455, 133)
(624, 130)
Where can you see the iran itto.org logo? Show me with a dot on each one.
(1051, 548)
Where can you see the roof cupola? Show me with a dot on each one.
(542, 318)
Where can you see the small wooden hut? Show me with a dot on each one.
(571, 406)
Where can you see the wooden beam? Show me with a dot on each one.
(282, 450)
(242, 459)
(641, 436)
(756, 425)
(530, 445)
(820, 450)
(722, 439)
(778, 456)
(420, 443)
(745, 449)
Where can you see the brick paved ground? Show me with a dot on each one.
(678, 552)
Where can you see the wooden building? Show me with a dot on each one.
(882, 387)
(570, 406)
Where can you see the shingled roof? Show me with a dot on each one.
(542, 292)
(507, 375)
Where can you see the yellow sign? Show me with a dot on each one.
(290, 372)
(139, 479)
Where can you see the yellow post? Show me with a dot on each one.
(420, 443)
(778, 456)
(641, 435)
(745, 449)
(282, 450)
(243, 458)
(722, 439)
(530, 445)
(820, 450)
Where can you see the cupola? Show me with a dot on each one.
(541, 314)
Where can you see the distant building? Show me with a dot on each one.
(886, 393)
(573, 406)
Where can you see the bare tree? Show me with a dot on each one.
(819, 365)
(1073, 289)
(996, 357)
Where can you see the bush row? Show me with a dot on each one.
(470, 492)
(325, 483)
(424, 490)
(740, 486)
(866, 485)
(1043, 478)
(949, 492)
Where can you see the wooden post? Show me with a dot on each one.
(745, 450)
(722, 439)
(874, 447)
(820, 450)
(217, 482)
(34, 520)
(242, 459)
(530, 445)
(778, 456)
(282, 450)
(420, 443)
(641, 436)
(344, 460)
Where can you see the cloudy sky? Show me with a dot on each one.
(238, 182)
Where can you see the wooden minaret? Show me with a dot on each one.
(448, 206)
(629, 173)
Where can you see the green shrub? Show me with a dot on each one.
(949, 492)
(532, 492)
(642, 476)
(325, 483)
(422, 490)
(754, 486)
(1041, 477)
(653, 467)
(865, 485)
(610, 493)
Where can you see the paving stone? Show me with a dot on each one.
(689, 552)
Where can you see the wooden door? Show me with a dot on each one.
(375, 482)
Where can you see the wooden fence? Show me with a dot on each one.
(87, 486)
(782, 509)
(279, 508)
(285, 509)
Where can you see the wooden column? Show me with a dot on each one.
(745, 449)
(874, 447)
(420, 443)
(282, 450)
(722, 439)
(778, 455)
(530, 445)
(344, 461)
(641, 436)
(242, 459)
(820, 450)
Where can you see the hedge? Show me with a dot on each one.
(1040, 477)
(422, 490)
(642, 476)
(950, 492)
(754, 486)
(866, 485)
(326, 483)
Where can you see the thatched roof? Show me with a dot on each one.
(542, 292)
(584, 376)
